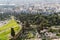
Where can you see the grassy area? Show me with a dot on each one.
(5, 30)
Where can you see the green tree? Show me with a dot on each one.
(27, 24)
(12, 32)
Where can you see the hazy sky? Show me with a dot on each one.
(28, 1)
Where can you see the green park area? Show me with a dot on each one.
(5, 30)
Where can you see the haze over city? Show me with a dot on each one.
(27, 1)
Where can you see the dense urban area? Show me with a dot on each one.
(38, 21)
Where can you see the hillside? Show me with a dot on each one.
(5, 30)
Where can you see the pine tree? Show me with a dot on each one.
(12, 32)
